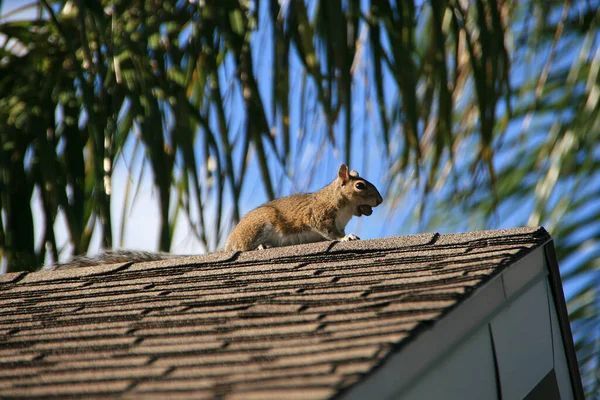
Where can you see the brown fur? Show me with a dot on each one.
(304, 218)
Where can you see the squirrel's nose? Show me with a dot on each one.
(379, 200)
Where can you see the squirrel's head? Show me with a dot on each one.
(360, 192)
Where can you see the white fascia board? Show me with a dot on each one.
(561, 366)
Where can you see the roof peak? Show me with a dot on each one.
(305, 320)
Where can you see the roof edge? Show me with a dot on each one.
(307, 250)
(563, 319)
(458, 322)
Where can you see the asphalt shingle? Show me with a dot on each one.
(294, 322)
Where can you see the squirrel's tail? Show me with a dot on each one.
(112, 257)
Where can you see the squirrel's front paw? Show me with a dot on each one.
(349, 237)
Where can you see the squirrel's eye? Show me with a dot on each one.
(360, 186)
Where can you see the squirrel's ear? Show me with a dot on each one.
(343, 173)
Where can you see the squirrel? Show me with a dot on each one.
(309, 217)
(296, 219)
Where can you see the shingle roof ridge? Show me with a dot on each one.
(407, 242)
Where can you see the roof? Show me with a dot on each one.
(304, 321)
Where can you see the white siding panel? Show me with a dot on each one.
(523, 341)
(467, 372)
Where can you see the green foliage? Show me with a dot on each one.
(490, 107)
(82, 81)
